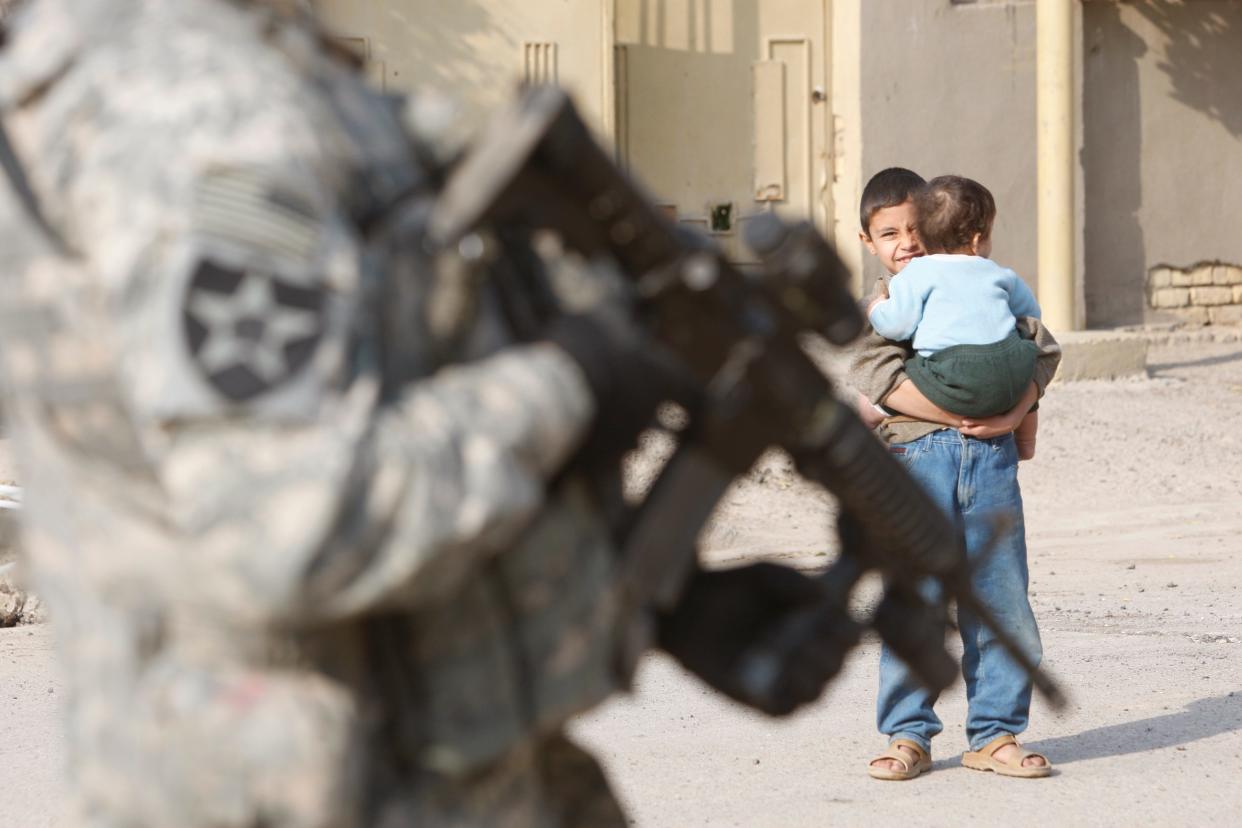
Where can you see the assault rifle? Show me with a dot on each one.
(738, 334)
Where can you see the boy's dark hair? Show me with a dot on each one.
(887, 188)
(951, 211)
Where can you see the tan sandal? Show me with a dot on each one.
(983, 760)
(921, 764)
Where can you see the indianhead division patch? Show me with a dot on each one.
(249, 331)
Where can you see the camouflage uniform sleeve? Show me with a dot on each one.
(371, 505)
(877, 365)
(210, 210)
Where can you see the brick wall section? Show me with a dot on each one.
(1208, 293)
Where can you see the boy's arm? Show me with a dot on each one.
(999, 424)
(868, 413)
(909, 400)
(898, 316)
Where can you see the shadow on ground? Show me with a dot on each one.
(1154, 369)
(1200, 719)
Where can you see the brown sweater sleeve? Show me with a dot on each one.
(1049, 358)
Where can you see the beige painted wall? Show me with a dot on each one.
(684, 78)
(678, 91)
(1162, 121)
(949, 88)
(479, 50)
(702, 125)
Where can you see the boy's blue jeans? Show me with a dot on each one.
(971, 480)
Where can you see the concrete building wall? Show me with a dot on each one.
(478, 51)
(685, 123)
(950, 88)
(723, 108)
(1162, 131)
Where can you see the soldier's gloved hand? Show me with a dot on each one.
(629, 376)
(759, 634)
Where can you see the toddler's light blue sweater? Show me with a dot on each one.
(949, 299)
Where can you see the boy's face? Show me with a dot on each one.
(891, 236)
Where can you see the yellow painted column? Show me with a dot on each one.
(1055, 116)
(608, 77)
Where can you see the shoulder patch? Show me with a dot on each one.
(248, 330)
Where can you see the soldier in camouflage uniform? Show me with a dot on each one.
(311, 549)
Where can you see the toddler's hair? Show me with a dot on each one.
(951, 210)
(887, 188)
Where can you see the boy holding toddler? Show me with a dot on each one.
(978, 347)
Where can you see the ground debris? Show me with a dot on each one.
(12, 605)
(1213, 638)
(17, 605)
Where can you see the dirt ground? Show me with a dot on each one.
(1135, 536)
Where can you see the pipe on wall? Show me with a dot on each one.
(1055, 148)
